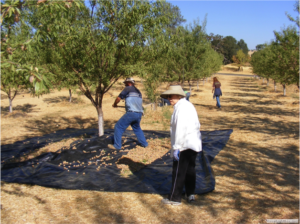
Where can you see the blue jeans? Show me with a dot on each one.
(133, 119)
(218, 101)
(187, 96)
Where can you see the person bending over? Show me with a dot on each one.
(133, 115)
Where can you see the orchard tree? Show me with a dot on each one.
(22, 67)
(98, 45)
(286, 60)
(20, 64)
(191, 57)
(262, 64)
(297, 21)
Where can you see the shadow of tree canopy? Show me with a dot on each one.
(256, 124)
(26, 108)
(49, 125)
(256, 102)
(243, 95)
(59, 99)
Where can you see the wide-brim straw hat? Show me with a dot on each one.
(129, 80)
(173, 90)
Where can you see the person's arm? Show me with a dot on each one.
(213, 89)
(118, 99)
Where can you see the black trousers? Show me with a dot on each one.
(183, 175)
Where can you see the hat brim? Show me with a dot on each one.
(129, 81)
(171, 92)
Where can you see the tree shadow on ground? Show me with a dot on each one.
(63, 99)
(198, 90)
(17, 191)
(243, 95)
(264, 125)
(47, 125)
(255, 102)
(26, 108)
(262, 173)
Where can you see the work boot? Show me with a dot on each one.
(111, 147)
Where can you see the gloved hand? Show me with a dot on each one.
(176, 154)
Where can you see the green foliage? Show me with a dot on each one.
(217, 42)
(94, 47)
(241, 57)
(230, 48)
(286, 56)
(21, 65)
(191, 56)
(243, 46)
(280, 59)
(260, 47)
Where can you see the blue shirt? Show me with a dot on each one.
(133, 99)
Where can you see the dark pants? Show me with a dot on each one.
(183, 175)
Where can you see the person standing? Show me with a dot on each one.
(217, 91)
(133, 115)
(185, 145)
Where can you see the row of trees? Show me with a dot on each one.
(189, 57)
(90, 45)
(279, 60)
(228, 46)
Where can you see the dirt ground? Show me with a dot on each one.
(257, 173)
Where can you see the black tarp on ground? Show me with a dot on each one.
(83, 157)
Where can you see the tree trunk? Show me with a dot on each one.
(274, 86)
(267, 81)
(9, 100)
(100, 121)
(197, 84)
(10, 105)
(203, 81)
(263, 81)
(70, 94)
(284, 89)
(154, 106)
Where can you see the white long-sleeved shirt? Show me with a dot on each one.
(185, 127)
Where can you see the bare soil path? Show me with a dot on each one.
(257, 173)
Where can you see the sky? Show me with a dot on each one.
(252, 21)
